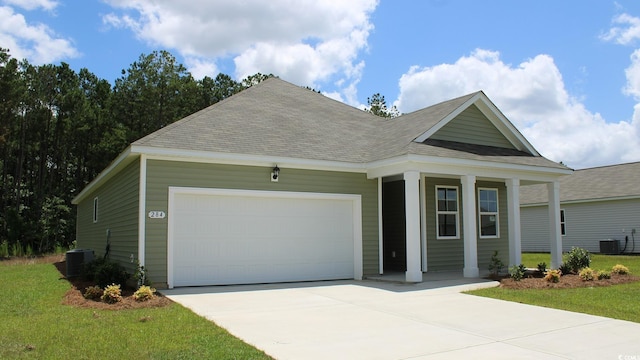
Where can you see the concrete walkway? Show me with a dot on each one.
(377, 320)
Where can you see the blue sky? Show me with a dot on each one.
(566, 73)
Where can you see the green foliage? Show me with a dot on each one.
(542, 267)
(620, 269)
(141, 276)
(495, 264)
(112, 294)
(603, 274)
(144, 293)
(587, 274)
(92, 293)
(517, 272)
(104, 272)
(4, 249)
(378, 106)
(553, 275)
(577, 259)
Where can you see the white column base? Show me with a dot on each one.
(471, 272)
(413, 276)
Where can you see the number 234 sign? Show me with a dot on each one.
(157, 214)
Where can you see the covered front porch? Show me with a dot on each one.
(435, 224)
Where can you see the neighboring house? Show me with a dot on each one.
(596, 204)
(279, 183)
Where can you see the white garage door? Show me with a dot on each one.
(219, 237)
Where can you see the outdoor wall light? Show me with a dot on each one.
(275, 173)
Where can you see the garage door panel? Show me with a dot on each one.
(238, 239)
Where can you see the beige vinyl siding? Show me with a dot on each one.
(163, 174)
(117, 211)
(448, 254)
(472, 127)
(586, 225)
(487, 246)
(442, 254)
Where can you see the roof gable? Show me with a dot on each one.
(477, 117)
(472, 127)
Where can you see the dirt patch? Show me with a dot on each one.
(566, 282)
(74, 296)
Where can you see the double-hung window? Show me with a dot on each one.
(488, 213)
(447, 212)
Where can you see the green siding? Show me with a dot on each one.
(164, 174)
(448, 254)
(117, 211)
(472, 127)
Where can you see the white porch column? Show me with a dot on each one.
(412, 215)
(469, 225)
(513, 208)
(555, 237)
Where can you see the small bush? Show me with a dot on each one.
(577, 259)
(565, 269)
(542, 267)
(92, 293)
(112, 294)
(517, 272)
(496, 265)
(553, 275)
(587, 274)
(620, 269)
(602, 274)
(144, 293)
(4, 249)
(105, 272)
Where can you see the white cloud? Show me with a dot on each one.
(627, 31)
(306, 41)
(533, 96)
(48, 5)
(35, 42)
(200, 68)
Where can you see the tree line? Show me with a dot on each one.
(59, 128)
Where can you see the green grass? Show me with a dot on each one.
(35, 325)
(618, 301)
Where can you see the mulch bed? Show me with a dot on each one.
(566, 282)
(74, 296)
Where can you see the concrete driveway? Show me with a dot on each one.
(375, 320)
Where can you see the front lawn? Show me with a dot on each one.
(617, 301)
(36, 325)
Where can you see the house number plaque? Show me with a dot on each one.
(157, 214)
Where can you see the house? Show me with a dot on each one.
(596, 205)
(279, 183)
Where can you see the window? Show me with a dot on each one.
(488, 212)
(563, 226)
(95, 210)
(447, 212)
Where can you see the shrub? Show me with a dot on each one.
(517, 272)
(112, 294)
(620, 269)
(587, 274)
(602, 274)
(564, 268)
(4, 249)
(577, 259)
(92, 293)
(144, 293)
(105, 272)
(495, 265)
(542, 267)
(553, 275)
(141, 276)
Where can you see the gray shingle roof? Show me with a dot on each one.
(606, 182)
(276, 118)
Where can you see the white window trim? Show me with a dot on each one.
(563, 221)
(95, 209)
(456, 213)
(494, 213)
